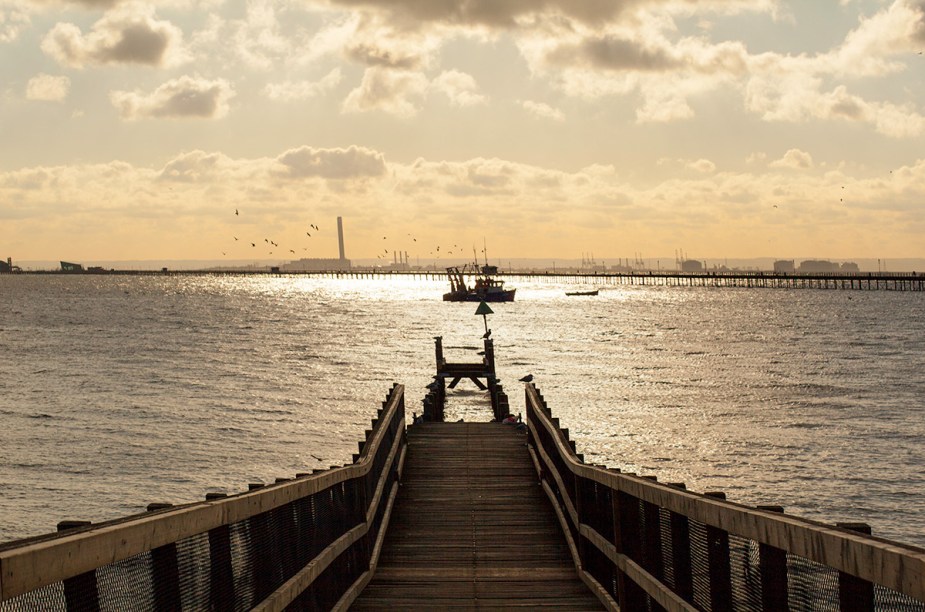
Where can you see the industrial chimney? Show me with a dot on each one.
(340, 237)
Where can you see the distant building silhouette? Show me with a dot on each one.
(822, 265)
(691, 265)
(784, 266)
(67, 266)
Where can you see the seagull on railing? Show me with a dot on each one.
(527, 378)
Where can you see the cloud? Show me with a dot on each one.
(337, 164)
(289, 91)
(195, 167)
(396, 92)
(459, 87)
(541, 110)
(13, 21)
(704, 166)
(48, 88)
(794, 159)
(126, 35)
(185, 97)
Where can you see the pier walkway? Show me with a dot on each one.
(472, 529)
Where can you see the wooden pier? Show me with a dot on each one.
(472, 529)
(470, 516)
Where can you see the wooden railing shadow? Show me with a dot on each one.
(644, 545)
(310, 543)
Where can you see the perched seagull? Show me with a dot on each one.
(527, 378)
(486, 334)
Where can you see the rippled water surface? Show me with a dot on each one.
(119, 391)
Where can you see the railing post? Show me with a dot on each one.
(855, 594)
(773, 563)
(718, 559)
(681, 553)
(80, 592)
(630, 596)
(221, 575)
(165, 572)
(653, 561)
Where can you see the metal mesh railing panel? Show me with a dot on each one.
(811, 586)
(745, 574)
(127, 584)
(889, 600)
(700, 565)
(193, 562)
(50, 598)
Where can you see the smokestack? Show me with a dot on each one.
(340, 236)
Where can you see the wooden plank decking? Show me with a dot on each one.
(472, 529)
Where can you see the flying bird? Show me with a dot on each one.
(235, 238)
(527, 378)
(253, 244)
(236, 211)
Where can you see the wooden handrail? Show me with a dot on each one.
(897, 566)
(34, 565)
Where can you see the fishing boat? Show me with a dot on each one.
(486, 288)
(594, 292)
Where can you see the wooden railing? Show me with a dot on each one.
(310, 543)
(644, 545)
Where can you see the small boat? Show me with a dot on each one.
(594, 292)
(485, 289)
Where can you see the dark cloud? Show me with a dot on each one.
(612, 53)
(131, 36)
(919, 31)
(496, 13)
(184, 97)
(372, 55)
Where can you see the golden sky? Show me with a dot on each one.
(548, 128)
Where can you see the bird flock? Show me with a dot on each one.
(269, 246)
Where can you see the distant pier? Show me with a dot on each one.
(853, 281)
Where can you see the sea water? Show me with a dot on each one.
(117, 391)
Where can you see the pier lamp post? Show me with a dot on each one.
(484, 310)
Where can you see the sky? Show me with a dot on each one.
(221, 129)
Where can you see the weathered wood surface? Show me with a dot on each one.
(472, 529)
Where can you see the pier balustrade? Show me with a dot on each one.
(310, 543)
(645, 545)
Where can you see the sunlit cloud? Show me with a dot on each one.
(459, 87)
(126, 35)
(13, 21)
(795, 159)
(541, 110)
(289, 91)
(185, 97)
(48, 88)
(395, 92)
